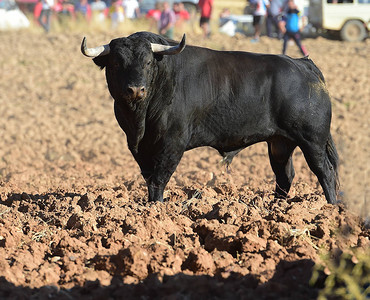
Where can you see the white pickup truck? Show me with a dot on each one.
(351, 18)
(11, 17)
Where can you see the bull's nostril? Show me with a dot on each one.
(142, 92)
(131, 91)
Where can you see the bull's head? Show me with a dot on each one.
(130, 64)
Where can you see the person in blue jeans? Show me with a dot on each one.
(292, 28)
(44, 18)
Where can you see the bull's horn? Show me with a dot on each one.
(94, 52)
(169, 50)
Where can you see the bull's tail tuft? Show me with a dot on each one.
(332, 154)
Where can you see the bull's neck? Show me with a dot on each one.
(132, 121)
(150, 111)
(162, 88)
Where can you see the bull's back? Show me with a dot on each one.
(242, 98)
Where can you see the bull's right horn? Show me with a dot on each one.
(94, 52)
(169, 50)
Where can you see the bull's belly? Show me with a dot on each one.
(230, 142)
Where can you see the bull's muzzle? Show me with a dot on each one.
(136, 92)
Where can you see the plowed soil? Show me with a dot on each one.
(74, 219)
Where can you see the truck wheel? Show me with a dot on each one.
(192, 10)
(353, 31)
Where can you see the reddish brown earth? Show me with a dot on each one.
(74, 220)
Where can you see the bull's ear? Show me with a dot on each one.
(101, 61)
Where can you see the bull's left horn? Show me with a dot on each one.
(94, 52)
(169, 50)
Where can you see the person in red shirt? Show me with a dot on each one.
(182, 15)
(205, 7)
(154, 15)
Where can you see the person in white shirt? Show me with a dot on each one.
(131, 9)
(97, 8)
(259, 13)
(44, 18)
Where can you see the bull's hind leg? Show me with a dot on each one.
(323, 163)
(280, 152)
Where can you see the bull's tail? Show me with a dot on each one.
(332, 154)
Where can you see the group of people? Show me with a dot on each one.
(163, 18)
(281, 14)
(116, 10)
(167, 18)
(121, 10)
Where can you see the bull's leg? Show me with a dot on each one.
(162, 168)
(318, 160)
(280, 152)
(155, 191)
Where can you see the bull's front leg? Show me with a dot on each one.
(158, 170)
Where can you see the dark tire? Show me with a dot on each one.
(353, 31)
(191, 8)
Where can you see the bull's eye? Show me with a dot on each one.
(115, 64)
(149, 62)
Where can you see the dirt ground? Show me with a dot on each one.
(74, 220)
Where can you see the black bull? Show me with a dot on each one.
(169, 99)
